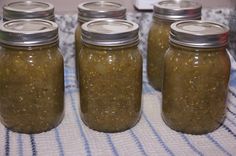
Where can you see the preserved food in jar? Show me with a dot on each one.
(110, 75)
(31, 76)
(196, 75)
(89, 11)
(165, 13)
(28, 10)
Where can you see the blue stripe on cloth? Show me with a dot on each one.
(33, 145)
(69, 71)
(191, 145)
(234, 94)
(148, 90)
(232, 104)
(166, 148)
(59, 143)
(71, 89)
(107, 135)
(20, 145)
(72, 75)
(231, 121)
(229, 130)
(7, 142)
(233, 78)
(152, 90)
(144, 88)
(234, 114)
(186, 139)
(113, 148)
(85, 140)
(70, 81)
(217, 144)
(138, 143)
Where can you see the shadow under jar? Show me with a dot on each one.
(31, 76)
(196, 76)
(110, 75)
(28, 10)
(89, 11)
(165, 13)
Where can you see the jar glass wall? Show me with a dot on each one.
(164, 14)
(32, 88)
(195, 88)
(93, 10)
(158, 43)
(110, 87)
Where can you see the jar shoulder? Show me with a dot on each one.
(159, 31)
(107, 52)
(45, 55)
(201, 59)
(25, 51)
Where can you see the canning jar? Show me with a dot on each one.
(165, 13)
(110, 75)
(196, 76)
(31, 76)
(28, 10)
(89, 11)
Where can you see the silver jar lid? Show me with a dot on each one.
(100, 9)
(28, 10)
(110, 32)
(28, 32)
(199, 34)
(177, 10)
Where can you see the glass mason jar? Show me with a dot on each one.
(28, 10)
(110, 75)
(165, 13)
(89, 11)
(31, 76)
(196, 76)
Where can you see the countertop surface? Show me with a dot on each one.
(149, 137)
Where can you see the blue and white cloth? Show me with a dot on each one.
(150, 137)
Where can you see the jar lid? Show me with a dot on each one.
(28, 32)
(110, 32)
(28, 10)
(100, 9)
(177, 10)
(200, 34)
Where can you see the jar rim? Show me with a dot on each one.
(199, 34)
(28, 10)
(110, 32)
(28, 32)
(177, 10)
(97, 9)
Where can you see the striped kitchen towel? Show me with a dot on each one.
(149, 137)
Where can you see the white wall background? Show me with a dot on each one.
(70, 6)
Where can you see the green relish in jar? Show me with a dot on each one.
(165, 13)
(31, 76)
(89, 11)
(110, 75)
(196, 76)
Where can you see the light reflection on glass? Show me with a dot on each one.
(110, 60)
